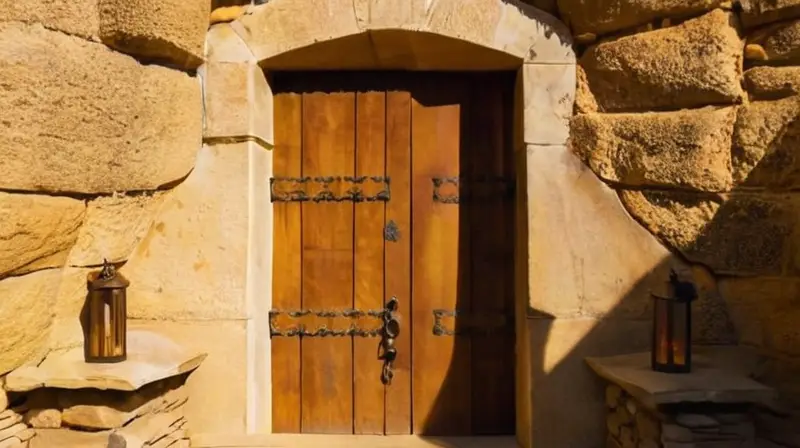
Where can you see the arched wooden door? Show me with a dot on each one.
(393, 186)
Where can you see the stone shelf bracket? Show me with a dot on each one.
(711, 406)
(135, 403)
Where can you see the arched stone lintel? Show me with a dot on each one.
(508, 26)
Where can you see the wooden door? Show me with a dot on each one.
(393, 185)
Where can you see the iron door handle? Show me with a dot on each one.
(391, 329)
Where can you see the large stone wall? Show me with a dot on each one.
(688, 110)
(102, 156)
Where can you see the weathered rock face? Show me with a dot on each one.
(114, 226)
(77, 17)
(165, 30)
(97, 118)
(766, 139)
(689, 149)
(771, 83)
(780, 42)
(26, 304)
(692, 64)
(765, 311)
(744, 235)
(758, 12)
(37, 232)
(604, 16)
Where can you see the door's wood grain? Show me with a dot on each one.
(327, 369)
(368, 398)
(491, 235)
(441, 372)
(398, 255)
(287, 252)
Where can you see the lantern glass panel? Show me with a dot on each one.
(679, 347)
(661, 346)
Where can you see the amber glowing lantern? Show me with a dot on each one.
(106, 317)
(672, 328)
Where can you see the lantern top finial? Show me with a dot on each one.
(684, 291)
(107, 278)
(108, 272)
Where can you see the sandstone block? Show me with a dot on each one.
(758, 306)
(43, 418)
(675, 433)
(143, 430)
(3, 395)
(605, 16)
(12, 430)
(711, 321)
(166, 30)
(744, 235)
(549, 106)
(238, 102)
(67, 438)
(223, 44)
(648, 427)
(759, 12)
(692, 64)
(770, 83)
(781, 42)
(29, 299)
(580, 218)
(696, 421)
(293, 24)
(765, 141)
(37, 232)
(102, 410)
(515, 29)
(12, 442)
(689, 149)
(112, 124)
(77, 17)
(192, 263)
(8, 419)
(613, 395)
(113, 227)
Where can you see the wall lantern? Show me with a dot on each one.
(672, 328)
(105, 335)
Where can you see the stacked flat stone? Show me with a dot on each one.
(631, 425)
(138, 403)
(152, 416)
(14, 433)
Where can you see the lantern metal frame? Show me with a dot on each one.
(105, 337)
(671, 348)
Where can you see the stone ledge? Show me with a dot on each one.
(151, 357)
(711, 380)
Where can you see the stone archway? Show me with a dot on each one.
(378, 34)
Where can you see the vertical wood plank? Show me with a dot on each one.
(328, 150)
(368, 399)
(286, 283)
(441, 372)
(491, 219)
(398, 255)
